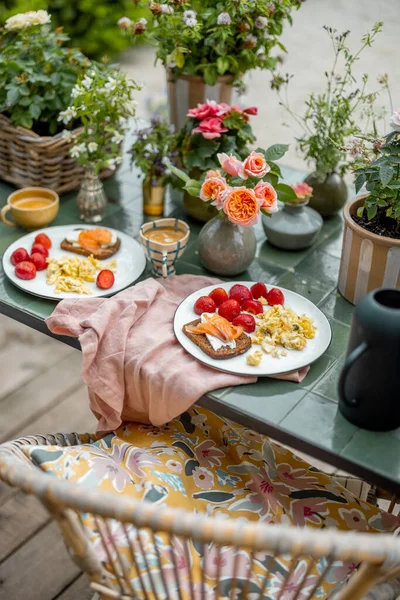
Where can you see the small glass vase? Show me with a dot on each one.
(153, 196)
(226, 249)
(92, 199)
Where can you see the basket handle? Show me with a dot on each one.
(6, 221)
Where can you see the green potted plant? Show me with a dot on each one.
(206, 43)
(37, 74)
(102, 102)
(331, 118)
(240, 191)
(151, 146)
(371, 246)
(209, 130)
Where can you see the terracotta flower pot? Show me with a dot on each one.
(368, 261)
(329, 196)
(187, 91)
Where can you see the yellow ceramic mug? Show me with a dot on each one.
(31, 208)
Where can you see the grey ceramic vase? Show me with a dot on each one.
(226, 249)
(293, 227)
(329, 195)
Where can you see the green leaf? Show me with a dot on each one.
(361, 179)
(285, 192)
(12, 96)
(179, 59)
(25, 121)
(193, 187)
(371, 211)
(386, 173)
(360, 211)
(276, 151)
(34, 111)
(210, 75)
(222, 64)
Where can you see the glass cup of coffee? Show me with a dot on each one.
(164, 241)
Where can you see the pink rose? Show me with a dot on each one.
(252, 110)
(302, 190)
(214, 189)
(213, 173)
(267, 197)
(231, 165)
(255, 165)
(209, 109)
(210, 128)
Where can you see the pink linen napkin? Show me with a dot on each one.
(133, 365)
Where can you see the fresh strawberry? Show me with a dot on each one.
(240, 293)
(18, 256)
(43, 239)
(25, 270)
(246, 321)
(253, 306)
(204, 304)
(275, 296)
(219, 295)
(105, 279)
(259, 290)
(40, 248)
(229, 309)
(39, 261)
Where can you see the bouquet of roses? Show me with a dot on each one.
(245, 188)
(214, 128)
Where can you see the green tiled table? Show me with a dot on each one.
(302, 415)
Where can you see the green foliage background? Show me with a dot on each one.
(91, 24)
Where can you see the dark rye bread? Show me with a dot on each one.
(101, 254)
(243, 343)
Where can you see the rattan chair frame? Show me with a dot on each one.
(377, 554)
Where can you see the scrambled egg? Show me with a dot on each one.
(70, 274)
(281, 326)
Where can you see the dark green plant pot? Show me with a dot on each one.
(197, 209)
(329, 195)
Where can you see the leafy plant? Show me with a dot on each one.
(102, 101)
(37, 74)
(212, 38)
(89, 23)
(151, 146)
(332, 117)
(377, 167)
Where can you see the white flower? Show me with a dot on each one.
(67, 115)
(111, 84)
(87, 82)
(166, 10)
(261, 22)
(117, 137)
(189, 14)
(191, 22)
(107, 119)
(224, 18)
(92, 146)
(76, 91)
(395, 120)
(251, 40)
(24, 20)
(77, 150)
(67, 135)
(143, 21)
(90, 131)
(82, 107)
(124, 23)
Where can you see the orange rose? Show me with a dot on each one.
(242, 207)
(255, 165)
(212, 173)
(267, 197)
(214, 189)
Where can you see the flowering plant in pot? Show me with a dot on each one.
(211, 129)
(204, 42)
(371, 245)
(102, 101)
(152, 144)
(241, 191)
(332, 118)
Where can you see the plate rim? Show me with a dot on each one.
(106, 293)
(230, 372)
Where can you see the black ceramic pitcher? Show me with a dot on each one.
(369, 385)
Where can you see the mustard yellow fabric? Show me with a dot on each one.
(206, 464)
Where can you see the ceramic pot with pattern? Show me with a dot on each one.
(368, 261)
(329, 194)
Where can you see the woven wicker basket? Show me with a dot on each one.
(27, 159)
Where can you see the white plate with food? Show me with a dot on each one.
(74, 261)
(252, 329)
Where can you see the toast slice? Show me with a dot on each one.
(243, 343)
(100, 254)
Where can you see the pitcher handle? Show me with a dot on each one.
(164, 265)
(6, 221)
(349, 362)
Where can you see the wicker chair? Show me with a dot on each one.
(378, 554)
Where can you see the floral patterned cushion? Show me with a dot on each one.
(206, 464)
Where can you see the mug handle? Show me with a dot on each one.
(164, 267)
(6, 221)
(349, 362)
